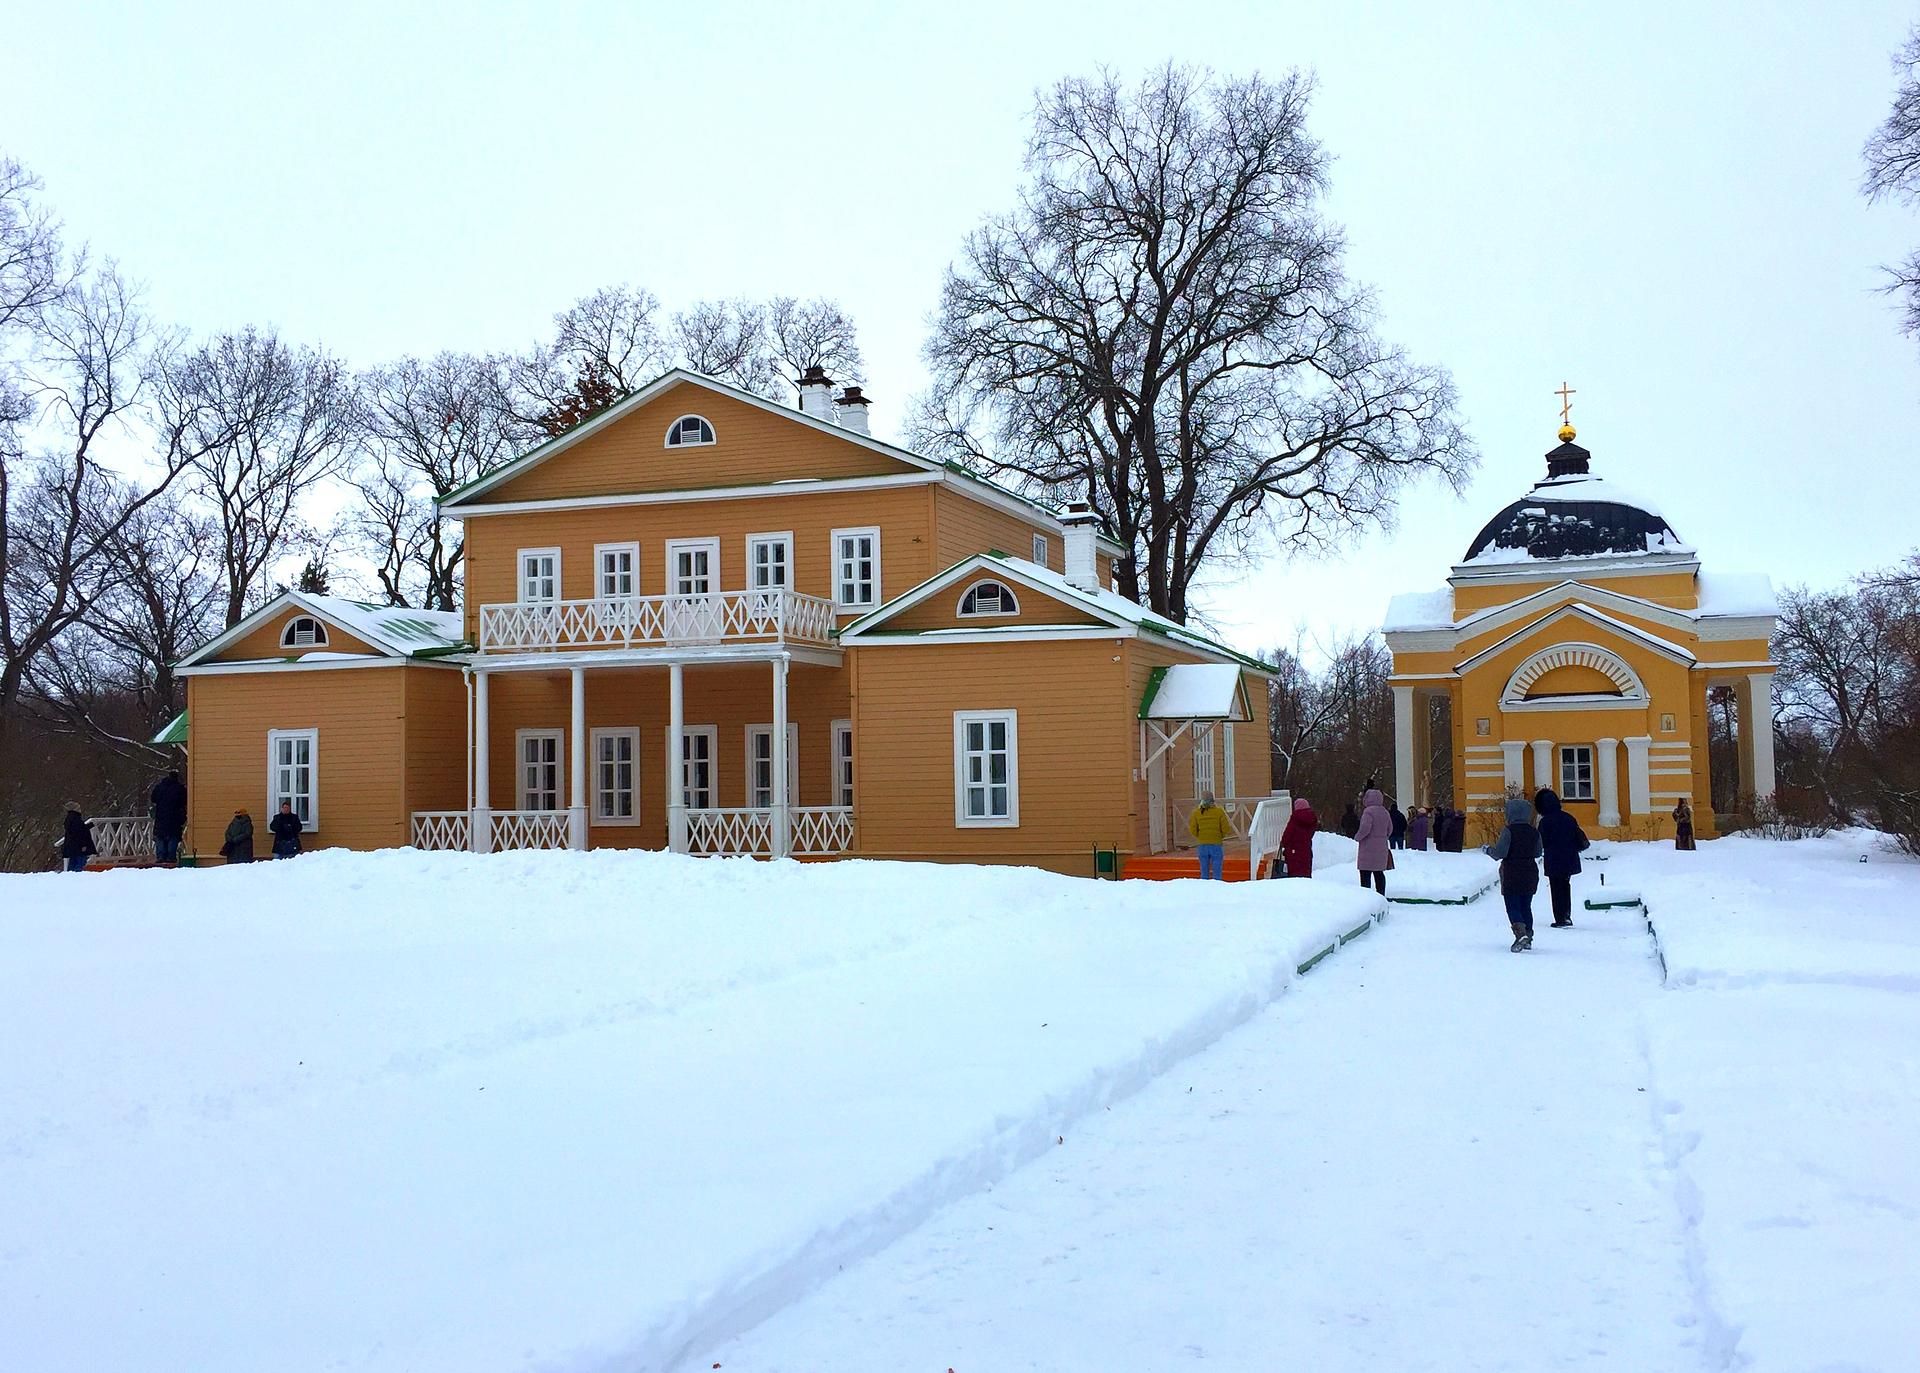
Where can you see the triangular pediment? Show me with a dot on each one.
(1578, 620)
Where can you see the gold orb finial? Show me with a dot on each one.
(1567, 432)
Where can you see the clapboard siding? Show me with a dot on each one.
(942, 611)
(435, 705)
(264, 642)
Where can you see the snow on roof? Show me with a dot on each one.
(1736, 593)
(1193, 691)
(393, 627)
(1420, 610)
(1585, 486)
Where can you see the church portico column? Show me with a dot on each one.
(1639, 781)
(1755, 697)
(1607, 767)
(1403, 778)
(1542, 763)
(1513, 754)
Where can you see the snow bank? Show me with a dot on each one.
(560, 1110)
(1419, 875)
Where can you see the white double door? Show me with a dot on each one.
(695, 608)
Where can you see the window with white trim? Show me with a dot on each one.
(541, 781)
(616, 571)
(693, 567)
(760, 765)
(1576, 772)
(1202, 760)
(689, 431)
(699, 749)
(856, 568)
(1040, 549)
(616, 776)
(303, 631)
(293, 773)
(843, 763)
(988, 598)
(769, 561)
(986, 768)
(539, 575)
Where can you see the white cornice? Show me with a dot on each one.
(315, 665)
(806, 486)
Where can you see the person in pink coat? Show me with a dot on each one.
(1375, 859)
(1296, 840)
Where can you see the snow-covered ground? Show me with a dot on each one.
(609, 1111)
(550, 1110)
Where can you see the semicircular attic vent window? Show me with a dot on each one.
(689, 431)
(303, 631)
(988, 598)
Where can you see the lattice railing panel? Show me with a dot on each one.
(530, 829)
(122, 838)
(819, 830)
(657, 621)
(741, 830)
(442, 829)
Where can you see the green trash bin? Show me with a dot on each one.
(1106, 863)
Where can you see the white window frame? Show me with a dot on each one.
(522, 582)
(319, 639)
(600, 814)
(601, 552)
(522, 795)
(1203, 750)
(712, 548)
(842, 755)
(784, 541)
(986, 718)
(310, 822)
(1040, 549)
(713, 435)
(1570, 754)
(752, 761)
(961, 611)
(875, 595)
(711, 734)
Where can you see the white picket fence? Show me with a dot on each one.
(529, 829)
(652, 621)
(442, 829)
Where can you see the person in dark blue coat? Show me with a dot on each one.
(1561, 840)
(1517, 850)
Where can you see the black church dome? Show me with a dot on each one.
(1573, 514)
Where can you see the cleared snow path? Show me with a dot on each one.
(1434, 1154)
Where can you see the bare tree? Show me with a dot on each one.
(276, 422)
(1331, 729)
(427, 428)
(1163, 327)
(1892, 157)
(33, 268)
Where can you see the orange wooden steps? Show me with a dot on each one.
(1166, 867)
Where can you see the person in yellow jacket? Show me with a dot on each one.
(1210, 828)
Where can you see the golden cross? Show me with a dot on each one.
(1566, 404)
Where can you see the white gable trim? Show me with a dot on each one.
(803, 486)
(274, 607)
(972, 566)
(1603, 660)
(1592, 616)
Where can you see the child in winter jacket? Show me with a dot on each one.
(1210, 827)
(1518, 850)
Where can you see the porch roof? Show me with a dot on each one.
(1195, 691)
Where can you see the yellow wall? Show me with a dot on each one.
(264, 642)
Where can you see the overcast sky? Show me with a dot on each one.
(1655, 203)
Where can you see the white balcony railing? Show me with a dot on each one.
(442, 829)
(822, 830)
(737, 830)
(529, 829)
(722, 617)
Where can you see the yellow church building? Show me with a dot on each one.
(1576, 643)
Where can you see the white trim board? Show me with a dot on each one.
(323, 665)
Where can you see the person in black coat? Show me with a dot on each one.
(1350, 821)
(76, 845)
(168, 803)
(286, 832)
(1517, 851)
(1397, 837)
(1561, 840)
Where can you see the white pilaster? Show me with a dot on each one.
(782, 832)
(1513, 756)
(676, 759)
(480, 820)
(1542, 763)
(577, 795)
(1756, 723)
(1639, 779)
(1606, 758)
(1403, 774)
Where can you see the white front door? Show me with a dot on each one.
(693, 583)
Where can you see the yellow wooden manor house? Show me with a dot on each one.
(704, 622)
(1576, 644)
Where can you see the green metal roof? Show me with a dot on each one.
(175, 731)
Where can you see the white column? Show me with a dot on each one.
(676, 760)
(782, 833)
(1639, 779)
(1513, 756)
(1403, 774)
(480, 820)
(1542, 763)
(577, 798)
(1606, 760)
(1756, 723)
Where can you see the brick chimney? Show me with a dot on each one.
(853, 411)
(1082, 528)
(816, 394)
